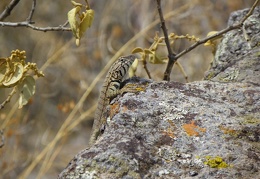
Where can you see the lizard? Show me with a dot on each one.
(110, 89)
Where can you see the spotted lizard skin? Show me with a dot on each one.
(110, 89)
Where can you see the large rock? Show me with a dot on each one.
(206, 129)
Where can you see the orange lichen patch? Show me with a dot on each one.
(114, 108)
(227, 130)
(169, 133)
(192, 129)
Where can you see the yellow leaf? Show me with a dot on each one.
(15, 76)
(27, 90)
(211, 41)
(208, 43)
(86, 22)
(73, 21)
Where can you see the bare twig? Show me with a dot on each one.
(220, 33)
(29, 18)
(250, 11)
(182, 71)
(87, 3)
(8, 9)
(2, 138)
(8, 98)
(171, 55)
(65, 24)
(27, 24)
(146, 69)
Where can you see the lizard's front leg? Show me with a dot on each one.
(112, 91)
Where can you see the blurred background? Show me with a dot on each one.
(41, 138)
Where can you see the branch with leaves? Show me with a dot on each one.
(152, 52)
(171, 55)
(15, 73)
(14, 70)
(174, 57)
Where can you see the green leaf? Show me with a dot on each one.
(26, 89)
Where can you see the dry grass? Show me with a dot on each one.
(44, 136)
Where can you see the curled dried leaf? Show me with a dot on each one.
(85, 23)
(79, 22)
(14, 76)
(72, 18)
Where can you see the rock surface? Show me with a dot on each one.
(205, 129)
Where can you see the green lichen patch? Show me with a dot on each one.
(215, 162)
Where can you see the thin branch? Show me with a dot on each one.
(250, 11)
(27, 24)
(146, 69)
(29, 18)
(65, 24)
(8, 9)
(220, 33)
(182, 71)
(171, 55)
(87, 4)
